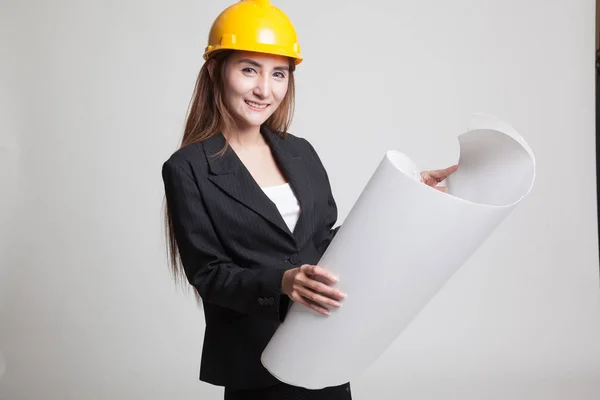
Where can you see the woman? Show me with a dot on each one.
(250, 207)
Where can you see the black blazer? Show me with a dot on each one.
(235, 246)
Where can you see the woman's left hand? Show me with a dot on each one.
(433, 178)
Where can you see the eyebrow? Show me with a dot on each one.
(257, 65)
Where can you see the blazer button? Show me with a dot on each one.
(294, 259)
(261, 301)
(271, 301)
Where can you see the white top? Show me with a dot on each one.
(286, 202)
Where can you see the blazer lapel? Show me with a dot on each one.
(230, 174)
(294, 168)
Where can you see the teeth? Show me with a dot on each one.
(256, 105)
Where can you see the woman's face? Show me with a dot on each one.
(255, 84)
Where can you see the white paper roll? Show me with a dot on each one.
(400, 243)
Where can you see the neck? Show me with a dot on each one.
(244, 137)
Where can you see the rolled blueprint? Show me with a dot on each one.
(400, 243)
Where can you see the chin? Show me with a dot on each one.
(253, 122)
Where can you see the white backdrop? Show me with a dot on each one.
(93, 101)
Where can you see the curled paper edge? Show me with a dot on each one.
(488, 121)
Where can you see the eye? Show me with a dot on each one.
(249, 70)
(279, 74)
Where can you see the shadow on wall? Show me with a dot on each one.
(2, 365)
(598, 115)
(9, 157)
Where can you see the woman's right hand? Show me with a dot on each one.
(304, 285)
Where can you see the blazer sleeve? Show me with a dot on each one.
(331, 211)
(207, 266)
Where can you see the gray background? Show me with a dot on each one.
(87, 307)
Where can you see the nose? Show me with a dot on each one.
(263, 86)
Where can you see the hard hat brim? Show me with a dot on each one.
(259, 48)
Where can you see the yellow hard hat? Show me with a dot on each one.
(254, 25)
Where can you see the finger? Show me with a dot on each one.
(320, 287)
(443, 173)
(315, 270)
(428, 180)
(316, 297)
(317, 307)
(307, 303)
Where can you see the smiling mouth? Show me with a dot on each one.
(257, 106)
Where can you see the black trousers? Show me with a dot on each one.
(284, 391)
